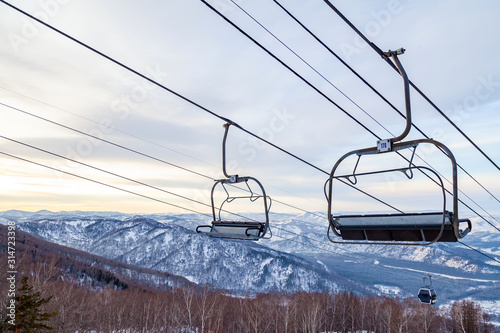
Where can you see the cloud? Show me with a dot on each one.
(183, 45)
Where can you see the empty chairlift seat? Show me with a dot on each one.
(243, 228)
(399, 228)
(416, 227)
(234, 189)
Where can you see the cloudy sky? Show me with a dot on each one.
(47, 80)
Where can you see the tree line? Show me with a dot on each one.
(79, 307)
(59, 298)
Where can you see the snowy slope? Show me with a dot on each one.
(297, 257)
(239, 266)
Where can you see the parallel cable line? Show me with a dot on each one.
(289, 68)
(103, 140)
(136, 152)
(108, 127)
(113, 174)
(380, 52)
(379, 95)
(484, 254)
(102, 183)
(309, 65)
(325, 96)
(198, 105)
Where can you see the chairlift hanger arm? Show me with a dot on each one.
(226, 130)
(394, 56)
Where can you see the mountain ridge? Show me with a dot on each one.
(297, 257)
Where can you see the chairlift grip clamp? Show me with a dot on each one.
(390, 53)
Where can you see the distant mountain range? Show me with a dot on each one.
(85, 268)
(297, 258)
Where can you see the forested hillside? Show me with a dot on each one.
(99, 300)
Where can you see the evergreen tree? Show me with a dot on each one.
(29, 314)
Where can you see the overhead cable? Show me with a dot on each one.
(186, 99)
(289, 68)
(108, 127)
(378, 94)
(102, 183)
(134, 151)
(309, 65)
(484, 254)
(113, 174)
(380, 52)
(103, 140)
(321, 93)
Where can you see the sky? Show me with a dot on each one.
(48, 80)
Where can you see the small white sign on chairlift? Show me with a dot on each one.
(384, 145)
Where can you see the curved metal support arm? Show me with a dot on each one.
(456, 221)
(355, 181)
(394, 56)
(226, 127)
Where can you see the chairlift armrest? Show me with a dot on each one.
(468, 229)
(202, 226)
(259, 228)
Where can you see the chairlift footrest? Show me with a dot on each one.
(236, 230)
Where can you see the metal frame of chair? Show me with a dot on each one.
(241, 228)
(448, 228)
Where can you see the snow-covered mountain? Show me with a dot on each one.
(297, 257)
(238, 266)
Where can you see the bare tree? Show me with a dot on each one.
(468, 316)
(426, 319)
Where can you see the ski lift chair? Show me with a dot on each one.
(426, 293)
(240, 228)
(398, 228)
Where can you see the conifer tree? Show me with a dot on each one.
(29, 314)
